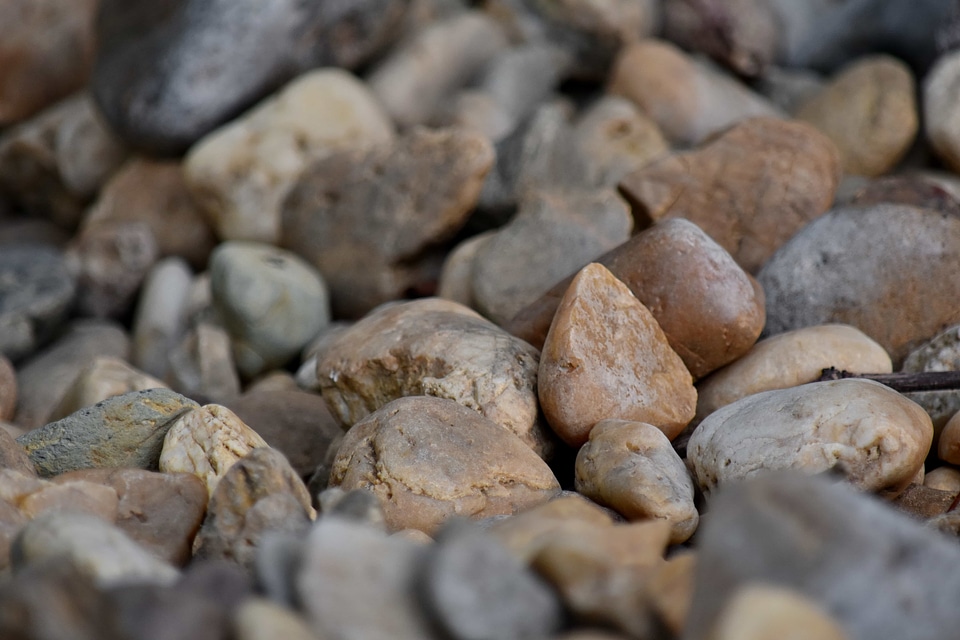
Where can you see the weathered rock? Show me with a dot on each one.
(873, 435)
(241, 173)
(869, 111)
(606, 357)
(201, 365)
(631, 467)
(944, 479)
(160, 318)
(416, 193)
(104, 378)
(756, 612)
(941, 122)
(438, 348)
(852, 267)
(790, 359)
(456, 276)
(123, 431)
(428, 459)
(262, 619)
(8, 390)
(726, 186)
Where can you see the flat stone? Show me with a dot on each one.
(428, 459)
(874, 436)
(759, 611)
(104, 378)
(123, 431)
(160, 318)
(605, 356)
(201, 365)
(726, 186)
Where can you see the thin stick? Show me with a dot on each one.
(902, 382)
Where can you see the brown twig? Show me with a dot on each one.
(902, 382)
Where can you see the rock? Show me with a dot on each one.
(877, 438)
(13, 456)
(160, 317)
(941, 123)
(923, 503)
(123, 431)
(551, 235)
(456, 276)
(416, 193)
(709, 309)
(260, 492)
(187, 67)
(605, 356)
(241, 173)
(428, 459)
(271, 302)
(475, 588)
(262, 619)
(48, 56)
(160, 511)
(104, 378)
(97, 548)
(76, 496)
(44, 379)
(36, 292)
(789, 88)
(940, 353)
(851, 267)
(765, 530)
(19, 231)
(756, 612)
(922, 191)
(726, 186)
(944, 479)
(790, 359)
(868, 110)
(201, 365)
(415, 80)
(631, 467)
(438, 348)
(358, 505)
(356, 583)
(674, 90)
(948, 448)
(8, 390)
(670, 588)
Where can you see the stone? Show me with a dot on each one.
(122, 431)
(552, 234)
(670, 588)
(13, 456)
(944, 479)
(674, 90)
(36, 291)
(605, 356)
(417, 193)
(948, 447)
(473, 587)
(262, 619)
(160, 511)
(833, 545)
(710, 310)
(631, 467)
(941, 124)
(297, 423)
(201, 365)
(869, 111)
(44, 379)
(104, 378)
(18, 231)
(240, 173)
(48, 56)
(97, 548)
(850, 267)
(726, 186)
(358, 505)
(922, 502)
(424, 71)
(428, 459)
(8, 390)
(356, 582)
(77, 496)
(260, 492)
(207, 442)
(456, 276)
(757, 612)
(185, 68)
(155, 193)
(788, 88)
(874, 436)
(159, 320)
(940, 353)
(270, 301)
(790, 359)
(917, 190)
(437, 348)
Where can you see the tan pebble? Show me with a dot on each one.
(944, 479)
(766, 612)
(948, 449)
(86, 497)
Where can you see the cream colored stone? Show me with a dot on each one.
(943, 479)
(790, 359)
(767, 612)
(104, 378)
(948, 448)
(207, 442)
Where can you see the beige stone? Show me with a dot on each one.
(428, 459)
(456, 276)
(790, 359)
(670, 590)
(873, 435)
(767, 612)
(941, 118)
(605, 356)
(943, 478)
(13, 456)
(263, 619)
(207, 442)
(79, 495)
(104, 378)
(948, 449)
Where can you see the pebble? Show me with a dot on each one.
(941, 123)
(944, 479)
(940, 353)
(874, 436)
(726, 186)
(8, 390)
(710, 310)
(670, 589)
(788, 88)
(159, 320)
(74, 496)
(605, 356)
(922, 502)
(759, 612)
(850, 266)
(104, 378)
(206, 442)
(270, 301)
(13, 456)
(869, 111)
(201, 365)
(948, 447)
(789, 359)
(417, 193)
(456, 276)
(122, 431)
(438, 348)
(263, 619)
(631, 467)
(917, 190)
(241, 173)
(428, 459)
